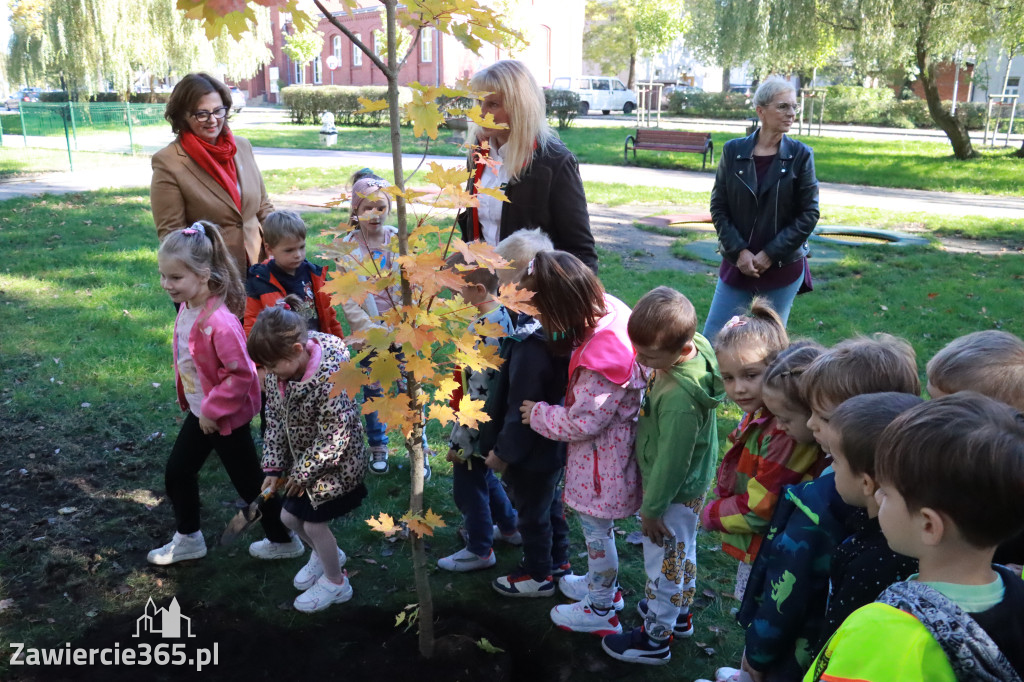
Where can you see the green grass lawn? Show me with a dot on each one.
(879, 163)
(87, 400)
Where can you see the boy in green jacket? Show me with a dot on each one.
(677, 450)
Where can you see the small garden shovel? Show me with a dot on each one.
(246, 517)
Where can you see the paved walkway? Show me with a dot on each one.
(832, 194)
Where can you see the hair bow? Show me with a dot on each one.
(735, 321)
(529, 267)
(197, 227)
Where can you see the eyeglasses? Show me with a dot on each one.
(786, 107)
(204, 116)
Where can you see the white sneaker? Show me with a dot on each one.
(180, 548)
(323, 594)
(581, 617)
(314, 568)
(379, 459)
(464, 560)
(265, 549)
(576, 587)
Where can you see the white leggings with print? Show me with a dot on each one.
(671, 569)
(602, 559)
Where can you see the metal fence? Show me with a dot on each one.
(110, 127)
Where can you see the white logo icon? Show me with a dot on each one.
(166, 622)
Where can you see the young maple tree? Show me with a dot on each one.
(431, 329)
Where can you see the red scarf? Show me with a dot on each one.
(216, 159)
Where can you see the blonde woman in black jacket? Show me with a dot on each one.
(539, 175)
(764, 205)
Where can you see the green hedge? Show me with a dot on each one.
(563, 105)
(729, 105)
(307, 102)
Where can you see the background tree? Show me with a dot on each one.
(914, 35)
(27, 44)
(621, 30)
(771, 36)
(302, 47)
(92, 45)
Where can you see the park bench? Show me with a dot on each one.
(670, 141)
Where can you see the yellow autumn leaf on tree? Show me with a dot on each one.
(471, 412)
(424, 115)
(383, 524)
(418, 336)
(445, 388)
(481, 253)
(384, 368)
(447, 177)
(371, 105)
(428, 271)
(442, 412)
(491, 192)
(456, 198)
(516, 298)
(343, 286)
(474, 115)
(349, 379)
(421, 367)
(391, 410)
(491, 330)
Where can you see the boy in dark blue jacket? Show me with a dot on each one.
(530, 464)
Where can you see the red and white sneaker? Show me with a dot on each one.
(582, 617)
(520, 584)
(575, 587)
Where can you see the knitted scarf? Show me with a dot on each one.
(971, 652)
(216, 159)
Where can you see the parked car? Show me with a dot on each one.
(14, 100)
(237, 100)
(598, 92)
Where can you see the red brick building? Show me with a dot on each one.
(554, 32)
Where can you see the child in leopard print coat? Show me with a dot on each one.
(313, 448)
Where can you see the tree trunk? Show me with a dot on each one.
(955, 129)
(726, 78)
(631, 78)
(415, 443)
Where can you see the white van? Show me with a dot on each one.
(599, 93)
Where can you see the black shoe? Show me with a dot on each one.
(637, 647)
(684, 623)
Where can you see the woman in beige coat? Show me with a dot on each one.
(207, 173)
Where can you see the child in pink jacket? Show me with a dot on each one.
(602, 481)
(217, 387)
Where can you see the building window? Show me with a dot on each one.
(336, 48)
(377, 42)
(357, 54)
(300, 72)
(1012, 86)
(427, 45)
(318, 70)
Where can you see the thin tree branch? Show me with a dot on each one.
(412, 48)
(352, 36)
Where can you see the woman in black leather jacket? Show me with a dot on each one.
(764, 205)
(539, 175)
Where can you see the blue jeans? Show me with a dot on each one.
(541, 519)
(729, 301)
(482, 500)
(376, 430)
